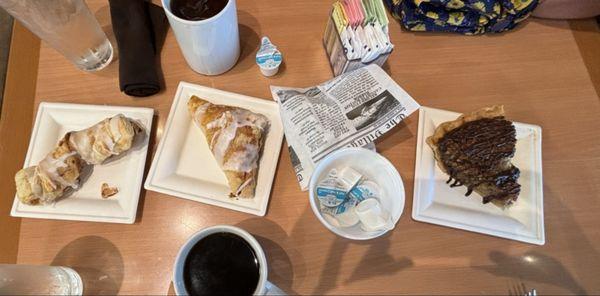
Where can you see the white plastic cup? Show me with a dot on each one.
(373, 167)
(210, 46)
(264, 287)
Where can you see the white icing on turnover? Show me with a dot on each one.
(246, 183)
(98, 142)
(50, 165)
(221, 140)
(82, 143)
(244, 160)
(199, 113)
(34, 181)
(47, 196)
(212, 141)
(227, 124)
(114, 128)
(105, 138)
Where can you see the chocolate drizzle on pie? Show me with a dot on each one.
(477, 155)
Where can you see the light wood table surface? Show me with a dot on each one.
(536, 71)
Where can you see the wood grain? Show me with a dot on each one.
(15, 128)
(536, 71)
(588, 41)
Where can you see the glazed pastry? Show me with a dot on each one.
(235, 137)
(475, 150)
(111, 136)
(61, 168)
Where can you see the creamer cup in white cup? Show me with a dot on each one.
(364, 190)
(333, 190)
(371, 216)
(342, 215)
(372, 166)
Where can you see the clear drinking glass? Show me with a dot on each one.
(66, 25)
(39, 280)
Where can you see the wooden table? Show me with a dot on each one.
(537, 72)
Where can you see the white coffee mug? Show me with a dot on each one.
(210, 46)
(264, 287)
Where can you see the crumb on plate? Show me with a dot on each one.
(108, 191)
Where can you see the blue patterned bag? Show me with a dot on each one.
(468, 17)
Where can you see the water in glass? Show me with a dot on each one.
(66, 25)
(39, 280)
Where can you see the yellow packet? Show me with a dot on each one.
(339, 17)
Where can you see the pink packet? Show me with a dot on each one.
(359, 11)
(349, 13)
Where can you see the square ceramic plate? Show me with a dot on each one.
(184, 166)
(437, 203)
(53, 120)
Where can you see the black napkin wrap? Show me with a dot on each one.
(139, 28)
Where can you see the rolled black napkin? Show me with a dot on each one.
(140, 29)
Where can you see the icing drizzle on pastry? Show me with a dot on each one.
(48, 180)
(50, 165)
(243, 161)
(34, 181)
(246, 183)
(228, 123)
(99, 142)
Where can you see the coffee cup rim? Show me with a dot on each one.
(167, 10)
(178, 282)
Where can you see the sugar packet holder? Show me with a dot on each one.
(340, 60)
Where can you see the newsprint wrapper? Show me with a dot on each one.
(351, 110)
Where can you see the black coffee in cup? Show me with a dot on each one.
(221, 263)
(197, 10)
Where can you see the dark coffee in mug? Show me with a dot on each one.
(221, 263)
(197, 10)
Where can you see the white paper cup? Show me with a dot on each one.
(373, 167)
(210, 46)
(264, 287)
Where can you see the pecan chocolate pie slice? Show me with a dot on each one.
(475, 150)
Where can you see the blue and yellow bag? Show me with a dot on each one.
(468, 17)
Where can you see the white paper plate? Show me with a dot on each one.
(184, 166)
(437, 203)
(53, 120)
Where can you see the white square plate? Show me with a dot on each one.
(437, 203)
(184, 166)
(53, 120)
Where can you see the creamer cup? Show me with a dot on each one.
(333, 190)
(344, 214)
(371, 216)
(364, 190)
(268, 58)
